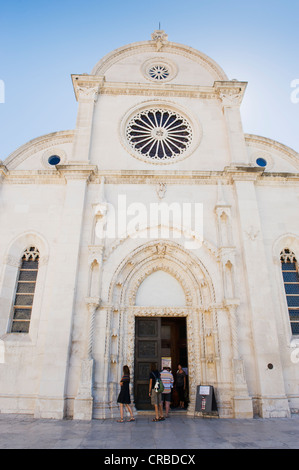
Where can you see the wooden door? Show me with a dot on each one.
(147, 351)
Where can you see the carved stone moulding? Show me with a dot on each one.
(95, 253)
(87, 87)
(231, 93)
(137, 311)
(137, 266)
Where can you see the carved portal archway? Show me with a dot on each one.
(201, 317)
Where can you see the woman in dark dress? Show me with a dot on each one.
(124, 395)
(181, 385)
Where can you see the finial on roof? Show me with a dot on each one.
(160, 37)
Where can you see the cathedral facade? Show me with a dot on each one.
(156, 231)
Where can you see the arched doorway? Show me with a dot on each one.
(183, 274)
(161, 341)
(158, 340)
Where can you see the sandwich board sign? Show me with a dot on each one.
(205, 399)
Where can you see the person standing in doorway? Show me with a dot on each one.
(167, 379)
(181, 385)
(156, 399)
(124, 395)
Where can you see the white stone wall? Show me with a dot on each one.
(87, 294)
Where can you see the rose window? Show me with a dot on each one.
(158, 72)
(159, 134)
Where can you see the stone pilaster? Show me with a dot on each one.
(51, 400)
(271, 396)
(242, 403)
(231, 95)
(86, 90)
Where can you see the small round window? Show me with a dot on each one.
(159, 72)
(261, 162)
(54, 160)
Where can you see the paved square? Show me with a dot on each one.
(177, 432)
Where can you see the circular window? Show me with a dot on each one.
(159, 69)
(159, 72)
(53, 156)
(261, 162)
(159, 134)
(54, 160)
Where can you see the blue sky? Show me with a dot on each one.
(43, 42)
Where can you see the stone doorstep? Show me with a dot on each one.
(171, 412)
(210, 415)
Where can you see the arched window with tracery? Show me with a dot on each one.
(290, 275)
(23, 301)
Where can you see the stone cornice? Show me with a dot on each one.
(152, 177)
(167, 90)
(87, 87)
(227, 176)
(230, 93)
(77, 171)
(91, 173)
(244, 172)
(32, 177)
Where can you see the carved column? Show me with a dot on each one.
(95, 261)
(83, 408)
(83, 405)
(242, 404)
(223, 213)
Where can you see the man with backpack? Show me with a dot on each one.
(155, 392)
